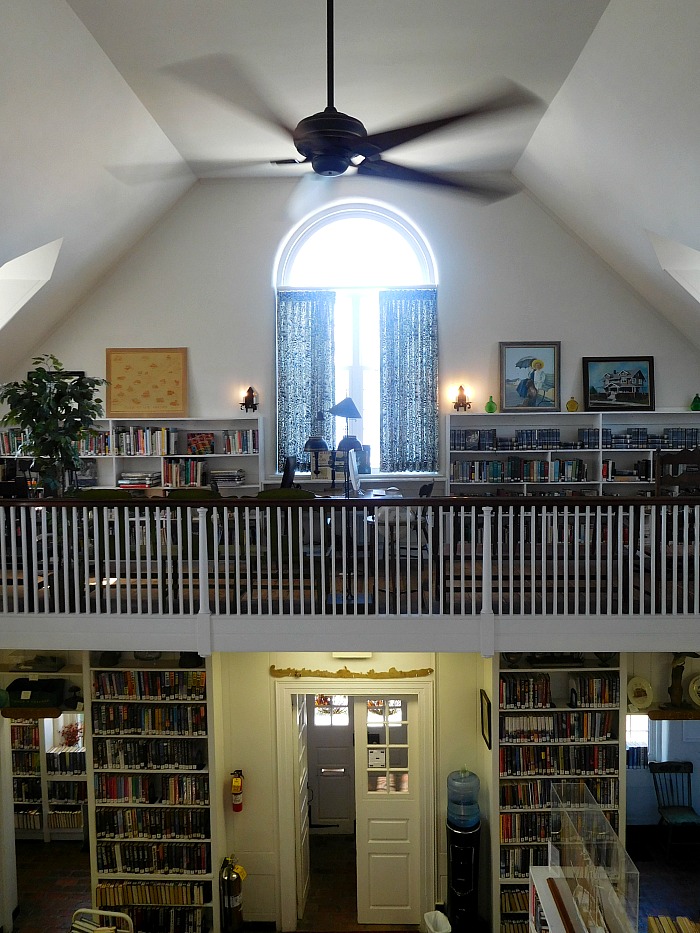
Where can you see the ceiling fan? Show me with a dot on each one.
(331, 142)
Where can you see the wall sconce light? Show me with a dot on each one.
(250, 400)
(462, 401)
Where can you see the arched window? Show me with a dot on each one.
(357, 316)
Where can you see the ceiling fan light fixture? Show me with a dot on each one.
(330, 163)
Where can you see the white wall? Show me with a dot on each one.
(203, 278)
(250, 739)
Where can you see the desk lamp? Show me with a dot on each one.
(347, 409)
(314, 444)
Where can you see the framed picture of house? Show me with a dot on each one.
(618, 383)
(147, 382)
(529, 376)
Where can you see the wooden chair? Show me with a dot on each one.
(677, 472)
(674, 797)
(295, 554)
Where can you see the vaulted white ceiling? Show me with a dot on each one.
(99, 139)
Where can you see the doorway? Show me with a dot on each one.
(394, 796)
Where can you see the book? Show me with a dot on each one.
(200, 442)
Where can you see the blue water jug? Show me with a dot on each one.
(463, 799)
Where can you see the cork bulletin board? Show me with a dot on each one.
(147, 382)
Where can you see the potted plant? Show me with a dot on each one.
(55, 408)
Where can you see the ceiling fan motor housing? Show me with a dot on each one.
(329, 140)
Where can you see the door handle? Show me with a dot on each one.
(332, 770)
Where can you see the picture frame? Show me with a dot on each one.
(485, 717)
(618, 383)
(529, 376)
(146, 382)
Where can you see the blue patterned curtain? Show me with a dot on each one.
(305, 370)
(408, 379)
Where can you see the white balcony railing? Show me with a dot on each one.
(327, 557)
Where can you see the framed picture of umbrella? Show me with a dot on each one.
(529, 376)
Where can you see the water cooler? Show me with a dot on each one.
(463, 835)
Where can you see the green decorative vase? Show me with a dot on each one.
(695, 404)
(490, 406)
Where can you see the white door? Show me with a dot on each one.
(331, 760)
(387, 803)
(301, 815)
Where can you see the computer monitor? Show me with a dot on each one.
(353, 473)
(290, 466)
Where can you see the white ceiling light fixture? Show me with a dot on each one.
(21, 278)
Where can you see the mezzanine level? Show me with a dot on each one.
(461, 574)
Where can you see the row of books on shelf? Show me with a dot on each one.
(173, 789)
(564, 760)
(525, 827)
(637, 757)
(525, 691)
(26, 790)
(151, 823)
(514, 900)
(11, 441)
(587, 438)
(664, 924)
(149, 754)
(593, 690)
(158, 858)
(515, 862)
(66, 759)
(513, 925)
(24, 763)
(640, 471)
(182, 920)
(534, 691)
(67, 792)
(125, 719)
(24, 734)
(559, 727)
(186, 472)
(28, 819)
(149, 685)
(65, 819)
(536, 793)
(157, 893)
(156, 441)
(519, 470)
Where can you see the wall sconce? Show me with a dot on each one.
(250, 400)
(462, 401)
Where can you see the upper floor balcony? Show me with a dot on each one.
(461, 574)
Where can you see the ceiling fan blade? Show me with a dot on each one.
(511, 96)
(484, 187)
(220, 76)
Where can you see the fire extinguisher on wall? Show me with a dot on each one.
(231, 877)
(237, 791)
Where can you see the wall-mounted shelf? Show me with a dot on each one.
(659, 714)
(29, 712)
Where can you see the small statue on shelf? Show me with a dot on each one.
(675, 690)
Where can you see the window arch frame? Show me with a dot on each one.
(422, 456)
(313, 222)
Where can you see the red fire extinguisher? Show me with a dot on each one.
(231, 877)
(237, 791)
